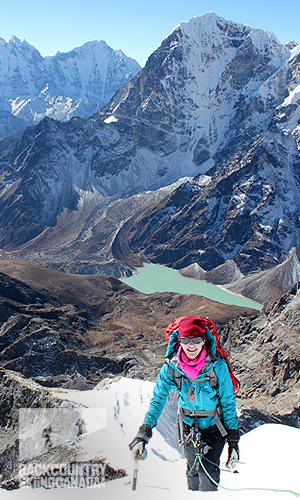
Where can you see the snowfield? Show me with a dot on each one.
(269, 453)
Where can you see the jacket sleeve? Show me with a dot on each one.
(226, 395)
(164, 384)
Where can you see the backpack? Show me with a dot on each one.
(219, 349)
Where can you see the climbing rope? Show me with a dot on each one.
(199, 456)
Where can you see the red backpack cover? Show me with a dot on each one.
(219, 349)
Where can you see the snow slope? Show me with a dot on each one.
(269, 453)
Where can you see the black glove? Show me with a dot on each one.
(233, 437)
(137, 445)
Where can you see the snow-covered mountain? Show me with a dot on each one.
(207, 89)
(76, 83)
(212, 92)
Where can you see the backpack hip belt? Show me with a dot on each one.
(217, 413)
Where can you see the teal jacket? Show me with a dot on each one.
(204, 396)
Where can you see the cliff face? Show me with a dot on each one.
(16, 393)
(40, 433)
(265, 353)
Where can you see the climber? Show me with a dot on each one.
(207, 416)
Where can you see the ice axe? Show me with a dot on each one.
(135, 474)
(138, 452)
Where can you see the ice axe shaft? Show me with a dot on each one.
(135, 474)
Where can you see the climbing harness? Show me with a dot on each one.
(211, 377)
(196, 443)
(199, 457)
(216, 414)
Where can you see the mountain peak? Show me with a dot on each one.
(207, 22)
(15, 39)
(22, 44)
(216, 98)
(94, 44)
(85, 79)
(200, 26)
(18, 41)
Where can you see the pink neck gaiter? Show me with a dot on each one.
(191, 367)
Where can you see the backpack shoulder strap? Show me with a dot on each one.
(177, 377)
(213, 379)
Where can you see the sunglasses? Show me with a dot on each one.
(195, 340)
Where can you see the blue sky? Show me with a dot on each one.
(135, 26)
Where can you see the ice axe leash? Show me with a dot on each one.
(135, 474)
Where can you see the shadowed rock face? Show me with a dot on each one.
(265, 352)
(19, 393)
(15, 394)
(248, 212)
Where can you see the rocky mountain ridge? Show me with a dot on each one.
(265, 352)
(72, 330)
(247, 212)
(76, 83)
(262, 286)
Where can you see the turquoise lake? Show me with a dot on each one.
(154, 278)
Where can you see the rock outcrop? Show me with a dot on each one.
(265, 353)
(71, 331)
(29, 452)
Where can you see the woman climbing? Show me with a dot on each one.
(207, 415)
